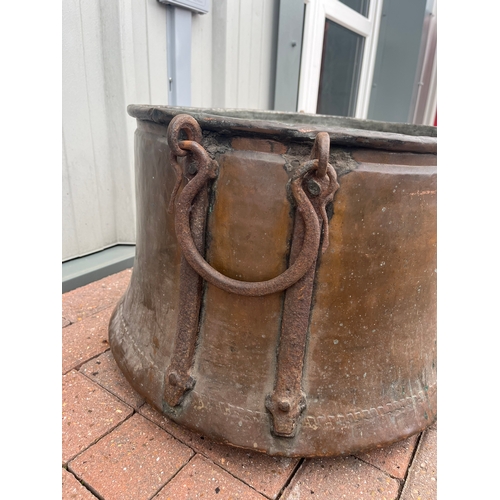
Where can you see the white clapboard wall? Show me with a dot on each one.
(115, 54)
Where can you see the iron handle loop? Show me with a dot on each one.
(200, 265)
(186, 124)
(321, 152)
(207, 169)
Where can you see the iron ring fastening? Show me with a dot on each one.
(207, 169)
(321, 152)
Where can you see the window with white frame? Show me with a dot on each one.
(338, 56)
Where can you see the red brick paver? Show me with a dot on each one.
(114, 453)
(104, 371)
(393, 459)
(72, 489)
(202, 479)
(90, 299)
(341, 478)
(421, 483)
(131, 463)
(88, 412)
(264, 473)
(85, 339)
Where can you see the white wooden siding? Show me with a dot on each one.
(234, 54)
(114, 54)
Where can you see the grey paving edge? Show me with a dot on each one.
(84, 270)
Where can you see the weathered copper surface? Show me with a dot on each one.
(283, 296)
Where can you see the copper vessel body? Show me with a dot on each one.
(341, 360)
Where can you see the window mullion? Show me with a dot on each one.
(338, 12)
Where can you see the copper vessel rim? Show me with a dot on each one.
(299, 127)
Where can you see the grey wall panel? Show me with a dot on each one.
(291, 25)
(397, 60)
(424, 96)
(202, 59)
(234, 54)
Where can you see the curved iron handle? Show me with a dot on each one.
(207, 170)
(200, 265)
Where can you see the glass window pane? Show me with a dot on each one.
(340, 70)
(360, 6)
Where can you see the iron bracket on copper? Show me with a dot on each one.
(287, 401)
(178, 380)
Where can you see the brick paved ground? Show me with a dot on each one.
(115, 446)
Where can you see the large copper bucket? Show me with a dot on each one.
(283, 296)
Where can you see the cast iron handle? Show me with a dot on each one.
(207, 169)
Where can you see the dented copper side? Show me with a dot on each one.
(283, 296)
